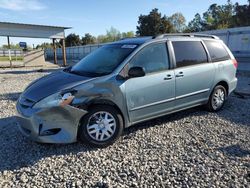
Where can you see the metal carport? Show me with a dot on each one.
(35, 31)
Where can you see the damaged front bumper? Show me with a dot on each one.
(50, 125)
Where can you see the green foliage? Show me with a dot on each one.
(216, 17)
(242, 15)
(44, 45)
(88, 39)
(153, 24)
(12, 46)
(113, 35)
(178, 21)
(195, 25)
(128, 34)
(221, 17)
(72, 40)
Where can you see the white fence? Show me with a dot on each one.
(13, 52)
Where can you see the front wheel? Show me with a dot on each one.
(217, 99)
(102, 126)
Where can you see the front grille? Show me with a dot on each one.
(25, 102)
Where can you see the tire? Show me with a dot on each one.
(101, 127)
(217, 99)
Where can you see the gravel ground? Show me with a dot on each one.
(193, 148)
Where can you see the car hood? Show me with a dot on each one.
(53, 83)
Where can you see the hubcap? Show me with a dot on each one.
(101, 126)
(218, 99)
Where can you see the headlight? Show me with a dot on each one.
(56, 99)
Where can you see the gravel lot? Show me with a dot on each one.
(193, 148)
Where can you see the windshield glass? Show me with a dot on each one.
(104, 60)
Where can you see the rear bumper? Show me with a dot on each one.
(51, 125)
(232, 85)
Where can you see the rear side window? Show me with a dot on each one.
(217, 51)
(189, 53)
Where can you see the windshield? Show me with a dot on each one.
(104, 60)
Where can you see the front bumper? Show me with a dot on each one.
(51, 125)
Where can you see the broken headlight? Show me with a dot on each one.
(56, 99)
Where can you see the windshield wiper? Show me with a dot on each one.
(83, 73)
(76, 72)
(68, 69)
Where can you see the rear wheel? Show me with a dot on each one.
(217, 99)
(101, 127)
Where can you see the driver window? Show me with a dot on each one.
(152, 58)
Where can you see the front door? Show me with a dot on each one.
(153, 94)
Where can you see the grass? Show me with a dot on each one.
(13, 58)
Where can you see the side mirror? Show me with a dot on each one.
(136, 72)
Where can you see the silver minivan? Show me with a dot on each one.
(124, 83)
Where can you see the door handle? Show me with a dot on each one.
(180, 74)
(168, 77)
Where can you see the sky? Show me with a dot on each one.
(93, 16)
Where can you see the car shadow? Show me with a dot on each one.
(236, 110)
(234, 151)
(225, 113)
(30, 71)
(10, 96)
(16, 151)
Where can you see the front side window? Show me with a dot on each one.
(217, 51)
(152, 58)
(104, 60)
(189, 53)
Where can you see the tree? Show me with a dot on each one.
(72, 40)
(128, 34)
(242, 15)
(195, 25)
(111, 35)
(44, 45)
(153, 24)
(88, 39)
(101, 39)
(216, 17)
(12, 46)
(178, 21)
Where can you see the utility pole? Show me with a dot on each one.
(64, 53)
(54, 50)
(8, 38)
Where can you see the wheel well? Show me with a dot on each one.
(100, 102)
(224, 84)
(105, 102)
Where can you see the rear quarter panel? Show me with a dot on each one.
(225, 71)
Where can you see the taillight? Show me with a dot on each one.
(234, 61)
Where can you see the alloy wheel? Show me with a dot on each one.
(101, 126)
(218, 98)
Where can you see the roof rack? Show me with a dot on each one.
(185, 35)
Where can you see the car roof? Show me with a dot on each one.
(175, 36)
(134, 40)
